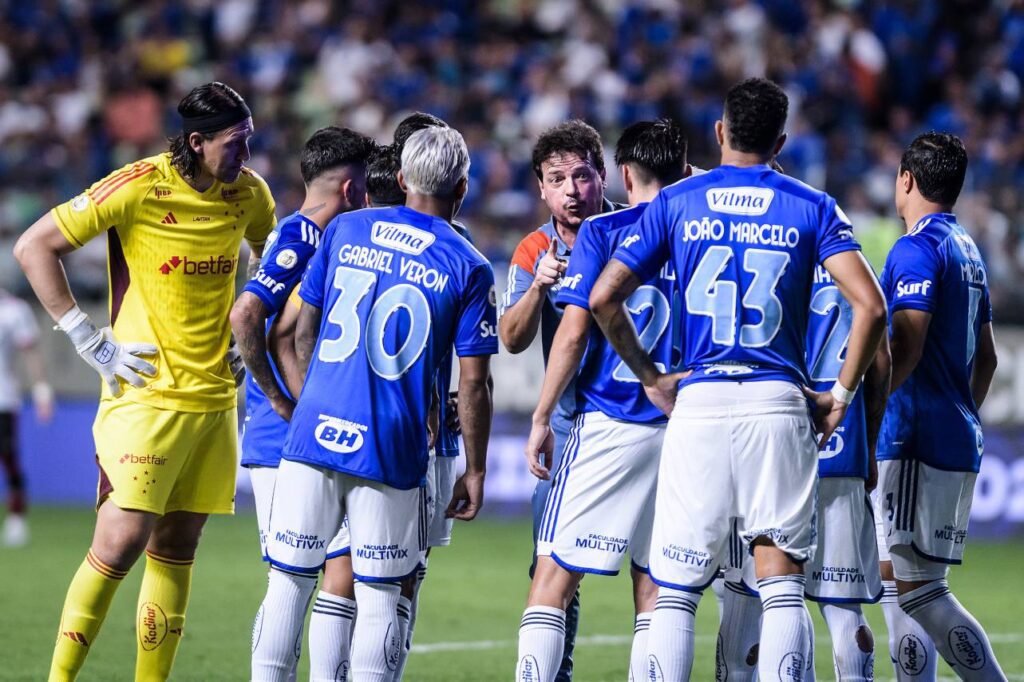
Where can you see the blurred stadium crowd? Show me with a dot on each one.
(87, 85)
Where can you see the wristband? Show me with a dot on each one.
(77, 325)
(841, 394)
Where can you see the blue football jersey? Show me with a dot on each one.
(398, 288)
(744, 243)
(447, 440)
(828, 333)
(288, 250)
(605, 383)
(932, 417)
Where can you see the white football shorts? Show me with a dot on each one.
(926, 510)
(388, 526)
(602, 496)
(263, 479)
(441, 476)
(844, 569)
(743, 450)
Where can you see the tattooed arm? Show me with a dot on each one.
(248, 323)
(608, 305)
(307, 329)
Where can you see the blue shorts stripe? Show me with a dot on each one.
(561, 477)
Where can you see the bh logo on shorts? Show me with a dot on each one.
(339, 435)
(529, 671)
(913, 657)
(967, 648)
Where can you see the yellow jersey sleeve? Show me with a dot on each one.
(263, 222)
(111, 202)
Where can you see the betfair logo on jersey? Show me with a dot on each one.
(129, 458)
(740, 200)
(189, 266)
(404, 238)
(339, 435)
(913, 288)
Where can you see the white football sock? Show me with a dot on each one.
(957, 635)
(330, 637)
(541, 642)
(404, 612)
(739, 630)
(911, 649)
(670, 640)
(638, 654)
(786, 631)
(277, 632)
(853, 651)
(403, 657)
(375, 638)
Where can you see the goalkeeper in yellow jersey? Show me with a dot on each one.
(166, 428)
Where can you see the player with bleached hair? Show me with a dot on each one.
(383, 300)
(603, 491)
(744, 242)
(332, 163)
(931, 443)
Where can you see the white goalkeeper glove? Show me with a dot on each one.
(102, 351)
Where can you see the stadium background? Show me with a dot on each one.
(88, 86)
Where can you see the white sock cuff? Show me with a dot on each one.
(642, 622)
(404, 608)
(329, 604)
(298, 581)
(783, 591)
(543, 618)
(889, 592)
(915, 600)
(677, 600)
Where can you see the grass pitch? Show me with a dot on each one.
(471, 605)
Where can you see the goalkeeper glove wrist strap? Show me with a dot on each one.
(77, 325)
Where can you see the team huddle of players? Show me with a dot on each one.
(718, 380)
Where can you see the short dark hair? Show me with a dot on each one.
(382, 177)
(938, 162)
(656, 150)
(211, 98)
(755, 115)
(331, 147)
(412, 123)
(572, 137)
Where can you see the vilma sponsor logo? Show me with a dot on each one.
(339, 435)
(913, 288)
(208, 266)
(913, 657)
(129, 458)
(740, 200)
(152, 626)
(529, 670)
(967, 648)
(404, 238)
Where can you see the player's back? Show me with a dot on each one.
(744, 242)
(397, 289)
(605, 383)
(828, 333)
(932, 417)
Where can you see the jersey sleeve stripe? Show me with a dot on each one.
(528, 250)
(114, 177)
(100, 197)
(120, 275)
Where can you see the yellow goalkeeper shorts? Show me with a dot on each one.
(163, 461)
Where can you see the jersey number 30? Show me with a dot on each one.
(353, 286)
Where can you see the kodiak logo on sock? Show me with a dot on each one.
(791, 669)
(152, 625)
(967, 648)
(913, 657)
(529, 671)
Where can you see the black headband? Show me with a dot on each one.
(212, 123)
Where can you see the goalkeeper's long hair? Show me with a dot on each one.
(211, 98)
